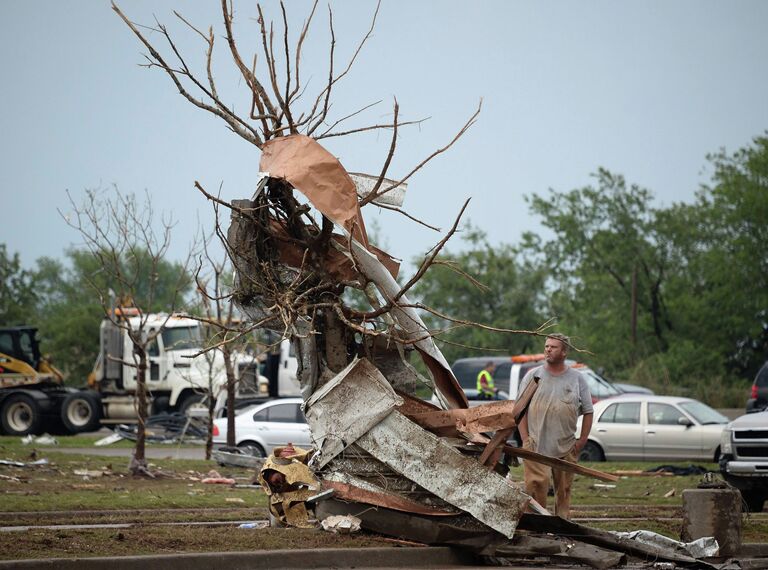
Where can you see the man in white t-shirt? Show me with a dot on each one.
(549, 425)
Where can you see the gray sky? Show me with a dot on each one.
(643, 88)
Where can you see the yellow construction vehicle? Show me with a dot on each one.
(33, 397)
(31, 389)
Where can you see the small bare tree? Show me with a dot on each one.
(222, 333)
(120, 232)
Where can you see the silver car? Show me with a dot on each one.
(640, 427)
(261, 428)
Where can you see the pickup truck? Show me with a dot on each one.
(510, 370)
(744, 458)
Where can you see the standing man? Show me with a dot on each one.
(550, 423)
(485, 387)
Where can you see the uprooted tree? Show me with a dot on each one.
(373, 445)
(292, 269)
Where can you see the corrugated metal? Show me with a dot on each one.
(435, 465)
(346, 407)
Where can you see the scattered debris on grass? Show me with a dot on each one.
(341, 524)
(43, 439)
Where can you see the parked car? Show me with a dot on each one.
(633, 388)
(653, 428)
(744, 458)
(259, 429)
(474, 399)
(758, 397)
(510, 370)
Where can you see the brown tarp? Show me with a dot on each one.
(317, 174)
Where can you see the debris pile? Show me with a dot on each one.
(305, 269)
(432, 474)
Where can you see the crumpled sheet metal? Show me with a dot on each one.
(317, 174)
(365, 183)
(360, 494)
(704, 547)
(289, 506)
(435, 465)
(359, 468)
(342, 410)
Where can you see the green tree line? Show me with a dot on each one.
(674, 298)
(60, 298)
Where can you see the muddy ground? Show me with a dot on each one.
(175, 512)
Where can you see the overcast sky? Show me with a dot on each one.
(643, 88)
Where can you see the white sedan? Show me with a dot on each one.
(639, 427)
(261, 428)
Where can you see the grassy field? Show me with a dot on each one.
(86, 489)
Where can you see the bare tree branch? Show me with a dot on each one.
(375, 191)
(332, 81)
(419, 166)
(234, 122)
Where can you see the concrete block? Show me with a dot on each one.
(713, 512)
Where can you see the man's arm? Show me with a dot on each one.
(586, 426)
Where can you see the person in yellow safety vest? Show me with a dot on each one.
(485, 387)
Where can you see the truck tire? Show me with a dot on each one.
(20, 414)
(81, 412)
(160, 404)
(190, 401)
(754, 499)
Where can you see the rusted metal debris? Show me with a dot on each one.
(289, 483)
(405, 467)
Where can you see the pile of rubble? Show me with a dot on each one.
(403, 466)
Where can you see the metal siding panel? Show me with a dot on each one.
(442, 470)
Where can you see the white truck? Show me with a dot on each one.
(177, 376)
(744, 458)
(33, 397)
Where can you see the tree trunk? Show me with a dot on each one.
(139, 462)
(335, 342)
(634, 308)
(231, 386)
(209, 427)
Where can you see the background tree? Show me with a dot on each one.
(505, 291)
(607, 258)
(68, 312)
(18, 290)
(119, 233)
(222, 334)
(736, 209)
(693, 274)
(721, 290)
